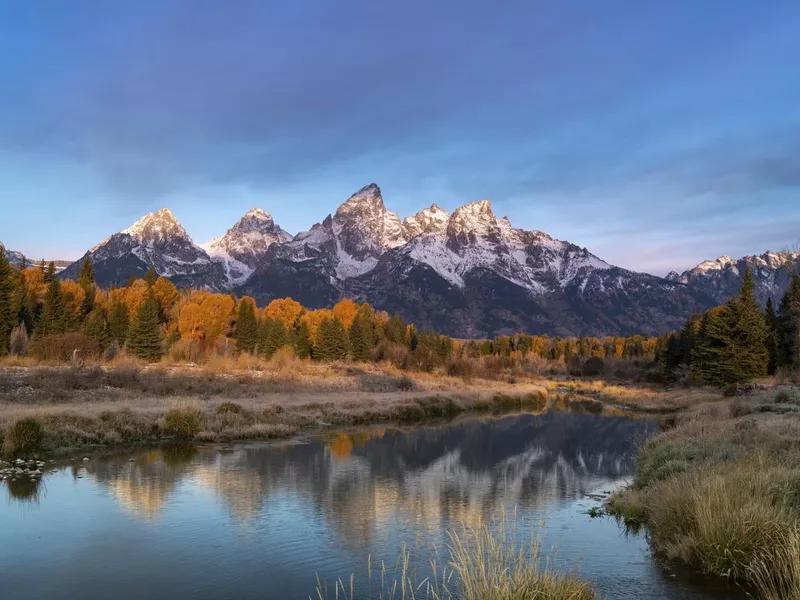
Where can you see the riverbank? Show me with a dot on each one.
(56, 410)
(720, 491)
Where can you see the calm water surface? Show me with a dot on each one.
(260, 521)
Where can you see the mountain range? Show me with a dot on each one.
(467, 274)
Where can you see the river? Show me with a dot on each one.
(259, 521)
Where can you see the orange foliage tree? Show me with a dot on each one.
(216, 314)
(346, 310)
(285, 310)
(190, 322)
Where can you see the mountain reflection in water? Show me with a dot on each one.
(258, 521)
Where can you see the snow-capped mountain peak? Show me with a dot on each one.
(428, 220)
(245, 244)
(158, 227)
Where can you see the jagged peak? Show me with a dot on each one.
(156, 226)
(258, 213)
(428, 220)
(367, 197)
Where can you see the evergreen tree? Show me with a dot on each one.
(771, 320)
(749, 333)
(396, 330)
(96, 326)
(53, 316)
(710, 361)
(145, 339)
(86, 281)
(301, 339)
(118, 323)
(50, 272)
(732, 342)
(8, 309)
(245, 331)
(789, 326)
(151, 277)
(361, 337)
(86, 275)
(332, 341)
(274, 336)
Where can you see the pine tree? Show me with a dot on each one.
(53, 316)
(332, 341)
(145, 339)
(118, 323)
(96, 326)
(789, 326)
(361, 337)
(245, 332)
(301, 339)
(86, 275)
(710, 361)
(771, 320)
(50, 272)
(749, 333)
(8, 309)
(151, 277)
(273, 336)
(396, 330)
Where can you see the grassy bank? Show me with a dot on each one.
(481, 563)
(57, 410)
(721, 491)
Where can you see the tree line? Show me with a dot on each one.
(738, 341)
(50, 318)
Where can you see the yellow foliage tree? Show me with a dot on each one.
(346, 310)
(34, 281)
(216, 314)
(284, 309)
(73, 298)
(166, 293)
(190, 322)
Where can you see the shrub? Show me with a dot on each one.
(18, 345)
(284, 360)
(24, 437)
(62, 347)
(227, 408)
(461, 367)
(378, 383)
(593, 366)
(182, 422)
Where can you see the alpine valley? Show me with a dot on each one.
(468, 274)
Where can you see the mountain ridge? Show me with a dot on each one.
(467, 273)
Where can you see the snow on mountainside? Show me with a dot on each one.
(245, 244)
(722, 278)
(12, 256)
(156, 241)
(468, 274)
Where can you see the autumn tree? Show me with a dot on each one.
(345, 310)
(190, 322)
(285, 310)
(216, 313)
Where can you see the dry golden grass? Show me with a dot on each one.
(127, 402)
(483, 563)
(721, 491)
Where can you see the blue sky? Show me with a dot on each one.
(657, 134)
